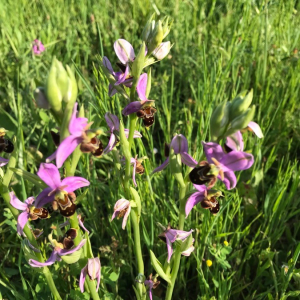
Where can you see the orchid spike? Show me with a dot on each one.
(122, 209)
(113, 123)
(179, 144)
(29, 211)
(79, 135)
(93, 270)
(57, 189)
(58, 250)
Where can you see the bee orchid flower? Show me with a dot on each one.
(122, 208)
(179, 144)
(59, 190)
(220, 165)
(29, 211)
(93, 270)
(59, 249)
(79, 135)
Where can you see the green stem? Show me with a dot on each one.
(4, 191)
(134, 216)
(177, 254)
(137, 248)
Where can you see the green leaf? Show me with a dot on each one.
(158, 267)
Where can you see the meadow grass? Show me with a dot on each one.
(220, 49)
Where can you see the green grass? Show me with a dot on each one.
(220, 48)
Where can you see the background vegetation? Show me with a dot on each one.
(221, 47)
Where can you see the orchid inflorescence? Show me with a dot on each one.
(224, 155)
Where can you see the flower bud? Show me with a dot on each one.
(139, 62)
(150, 25)
(242, 121)
(240, 104)
(156, 37)
(219, 120)
(162, 50)
(40, 98)
(166, 24)
(53, 92)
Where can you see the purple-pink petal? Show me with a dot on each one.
(107, 64)
(51, 260)
(133, 172)
(162, 166)
(74, 183)
(124, 51)
(229, 180)
(3, 161)
(179, 143)
(213, 150)
(66, 148)
(111, 144)
(193, 200)
(123, 76)
(170, 249)
(237, 161)
(256, 129)
(142, 86)
(22, 220)
(111, 90)
(133, 107)
(16, 203)
(51, 157)
(235, 141)
(83, 274)
(50, 175)
(112, 121)
(82, 225)
(77, 125)
(43, 198)
(188, 160)
(62, 252)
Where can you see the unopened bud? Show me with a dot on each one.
(219, 120)
(240, 104)
(156, 37)
(243, 120)
(139, 62)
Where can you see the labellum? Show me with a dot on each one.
(95, 147)
(147, 114)
(66, 205)
(6, 145)
(212, 204)
(71, 233)
(199, 175)
(139, 168)
(41, 213)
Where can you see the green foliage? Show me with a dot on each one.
(221, 48)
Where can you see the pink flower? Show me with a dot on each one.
(37, 47)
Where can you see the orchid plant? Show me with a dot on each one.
(224, 155)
